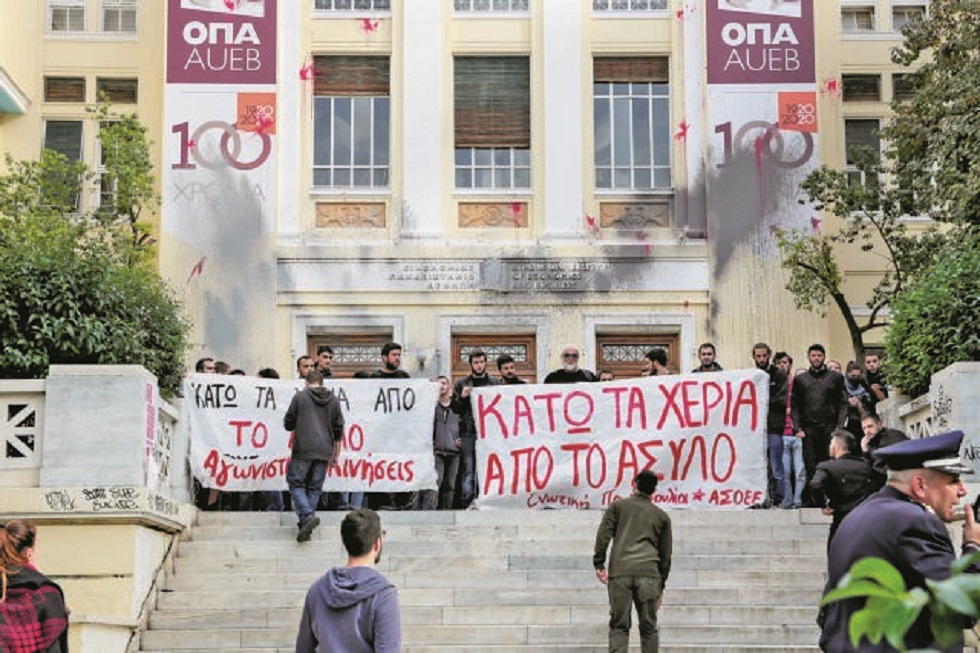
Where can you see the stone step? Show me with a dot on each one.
(797, 595)
(434, 574)
(526, 532)
(193, 618)
(488, 517)
(469, 634)
(329, 550)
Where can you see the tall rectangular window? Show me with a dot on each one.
(119, 16)
(351, 121)
(66, 16)
(492, 122)
(631, 104)
(861, 133)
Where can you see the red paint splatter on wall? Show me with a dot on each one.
(681, 133)
(831, 87)
(369, 26)
(231, 5)
(306, 72)
(197, 270)
(516, 208)
(815, 223)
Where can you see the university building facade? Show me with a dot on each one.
(511, 175)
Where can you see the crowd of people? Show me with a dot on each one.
(822, 428)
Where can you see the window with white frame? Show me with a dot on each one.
(861, 133)
(631, 105)
(119, 16)
(492, 122)
(351, 121)
(905, 13)
(857, 19)
(628, 5)
(352, 5)
(66, 16)
(65, 138)
(491, 6)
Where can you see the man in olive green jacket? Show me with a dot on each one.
(639, 563)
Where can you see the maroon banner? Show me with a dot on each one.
(760, 41)
(221, 42)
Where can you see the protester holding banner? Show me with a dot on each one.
(315, 417)
(477, 378)
(570, 372)
(639, 563)
(446, 443)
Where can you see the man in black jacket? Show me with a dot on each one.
(819, 406)
(842, 482)
(477, 378)
(877, 437)
(570, 372)
(314, 415)
(775, 421)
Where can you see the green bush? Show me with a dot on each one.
(79, 287)
(935, 320)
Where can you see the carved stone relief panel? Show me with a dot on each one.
(492, 214)
(350, 215)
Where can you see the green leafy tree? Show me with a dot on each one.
(932, 153)
(934, 322)
(79, 285)
(891, 608)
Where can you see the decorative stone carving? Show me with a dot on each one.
(634, 215)
(350, 215)
(492, 214)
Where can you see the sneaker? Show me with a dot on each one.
(306, 529)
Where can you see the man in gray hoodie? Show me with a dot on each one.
(353, 608)
(315, 417)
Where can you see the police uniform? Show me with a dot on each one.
(892, 526)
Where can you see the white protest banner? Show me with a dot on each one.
(580, 445)
(238, 442)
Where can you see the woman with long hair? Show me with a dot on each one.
(33, 616)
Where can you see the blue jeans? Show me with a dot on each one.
(793, 468)
(778, 489)
(305, 481)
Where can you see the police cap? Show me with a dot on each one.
(940, 452)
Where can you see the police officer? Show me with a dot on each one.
(905, 524)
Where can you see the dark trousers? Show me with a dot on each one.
(814, 452)
(447, 467)
(624, 593)
(469, 490)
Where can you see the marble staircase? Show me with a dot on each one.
(482, 581)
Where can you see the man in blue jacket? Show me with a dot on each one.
(905, 524)
(353, 608)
